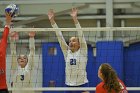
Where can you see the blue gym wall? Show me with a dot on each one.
(53, 66)
(91, 68)
(132, 65)
(110, 52)
(125, 60)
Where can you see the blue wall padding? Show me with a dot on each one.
(132, 65)
(110, 52)
(53, 66)
(91, 68)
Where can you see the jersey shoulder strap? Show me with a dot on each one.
(124, 91)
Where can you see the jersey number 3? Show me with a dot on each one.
(22, 77)
(72, 61)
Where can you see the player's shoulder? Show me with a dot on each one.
(99, 88)
(123, 87)
(100, 85)
(121, 83)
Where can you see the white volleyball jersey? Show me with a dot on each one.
(22, 79)
(76, 62)
(75, 69)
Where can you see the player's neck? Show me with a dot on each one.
(74, 50)
(22, 66)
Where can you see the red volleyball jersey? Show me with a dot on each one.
(100, 89)
(3, 45)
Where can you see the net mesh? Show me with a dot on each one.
(50, 75)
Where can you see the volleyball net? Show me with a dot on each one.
(119, 46)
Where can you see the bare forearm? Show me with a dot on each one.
(61, 39)
(75, 20)
(13, 55)
(52, 21)
(81, 37)
(31, 42)
(32, 46)
(32, 52)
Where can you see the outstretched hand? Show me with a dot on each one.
(51, 14)
(32, 34)
(74, 12)
(8, 18)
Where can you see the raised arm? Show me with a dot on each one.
(32, 49)
(13, 38)
(83, 44)
(59, 35)
(6, 30)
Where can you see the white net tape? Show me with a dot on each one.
(67, 89)
(76, 29)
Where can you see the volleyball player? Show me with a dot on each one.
(110, 81)
(22, 65)
(75, 55)
(3, 45)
